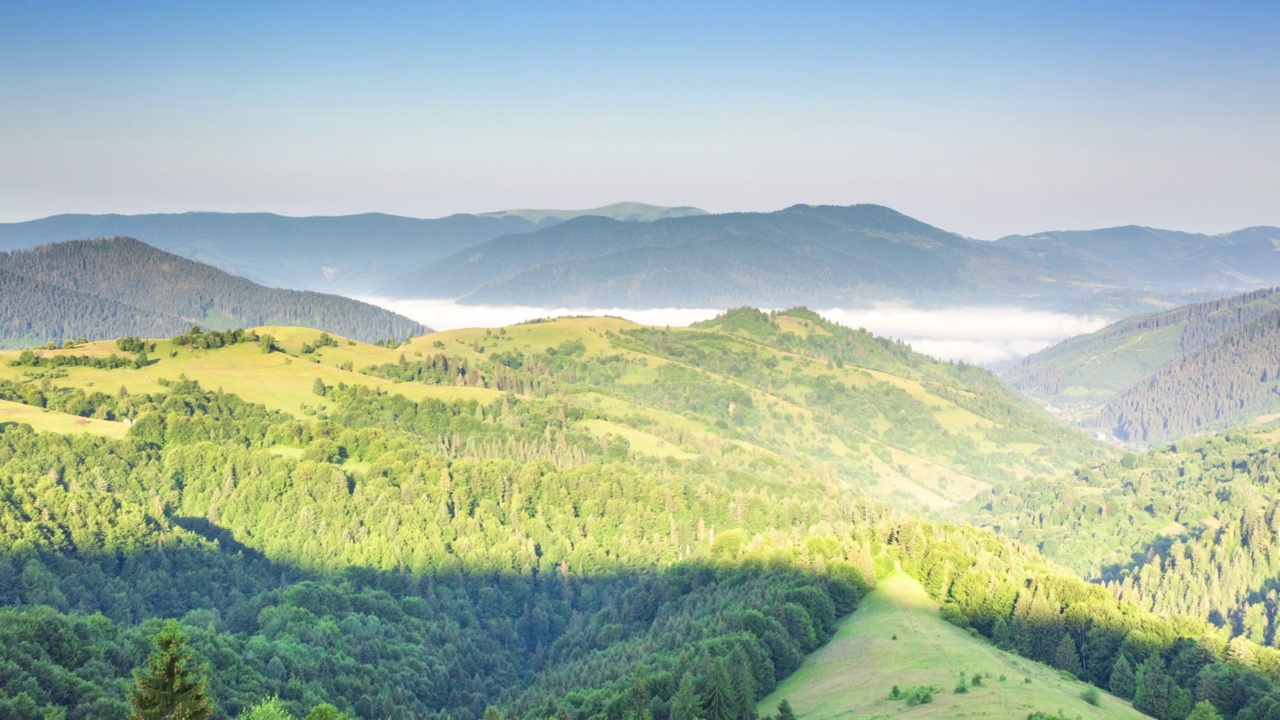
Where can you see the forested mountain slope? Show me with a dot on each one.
(1191, 529)
(1165, 375)
(582, 518)
(108, 288)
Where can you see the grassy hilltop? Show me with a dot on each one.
(878, 416)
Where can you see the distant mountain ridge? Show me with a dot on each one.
(108, 288)
(350, 254)
(837, 255)
(636, 255)
(624, 211)
(1164, 375)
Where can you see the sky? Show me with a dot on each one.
(982, 118)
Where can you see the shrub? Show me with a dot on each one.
(1091, 696)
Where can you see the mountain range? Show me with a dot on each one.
(633, 255)
(350, 254)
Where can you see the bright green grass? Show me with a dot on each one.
(852, 675)
(277, 380)
(42, 420)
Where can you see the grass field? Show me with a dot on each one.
(852, 676)
(42, 420)
(278, 380)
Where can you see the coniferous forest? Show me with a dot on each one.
(587, 518)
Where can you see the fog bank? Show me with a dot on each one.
(975, 334)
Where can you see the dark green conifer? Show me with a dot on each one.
(1122, 682)
(170, 689)
(685, 704)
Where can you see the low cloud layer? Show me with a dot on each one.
(979, 335)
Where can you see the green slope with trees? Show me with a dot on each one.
(453, 528)
(97, 289)
(1162, 376)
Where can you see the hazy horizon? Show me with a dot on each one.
(979, 335)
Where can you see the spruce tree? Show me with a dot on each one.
(170, 689)
(1066, 657)
(1152, 689)
(744, 686)
(685, 704)
(717, 695)
(1122, 682)
(785, 712)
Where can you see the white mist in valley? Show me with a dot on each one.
(981, 335)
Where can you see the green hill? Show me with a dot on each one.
(110, 288)
(1164, 375)
(898, 638)
(790, 386)
(580, 518)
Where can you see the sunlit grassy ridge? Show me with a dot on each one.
(896, 637)
(874, 414)
(42, 420)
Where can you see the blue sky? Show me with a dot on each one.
(983, 118)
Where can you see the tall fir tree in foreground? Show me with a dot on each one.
(171, 688)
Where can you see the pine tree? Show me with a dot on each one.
(717, 695)
(1122, 682)
(1066, 657)
(685, 704)
(1152, 692)
(744, 686)
(785, 712)
(169, 689)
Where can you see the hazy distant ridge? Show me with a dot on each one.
(108, 288)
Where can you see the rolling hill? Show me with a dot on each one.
(1165, 375)
(790, 386)
(580, 518)
(109, 288)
